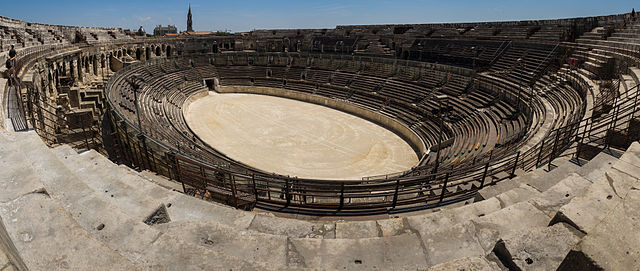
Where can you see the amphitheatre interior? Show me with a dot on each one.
(457, 146)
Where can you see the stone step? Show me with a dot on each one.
(586, 211)
(106, 222)
(538, 248)
(104, 182)
(56, 241)
(466, 263)
(613, 243)
(635, 73)
(60, 242)
(402, 252)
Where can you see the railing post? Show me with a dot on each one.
(341, 196)
(286, 193)
(143, 139)
(395, 195)
(444, 187)
(515, 165)
(176, 169)
(234, 192)
(553, 151)
(540, 153)
(84, 133)
(581, 143)
(255, 189)
(484, 174)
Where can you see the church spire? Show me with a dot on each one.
(189, 21)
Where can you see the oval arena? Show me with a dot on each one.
(461, 146)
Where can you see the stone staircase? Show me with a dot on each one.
(64, 210)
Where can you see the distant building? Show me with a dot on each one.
(189, 21)
(164, 30)
(141, 31)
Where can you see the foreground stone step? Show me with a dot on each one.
(130, 237)
(104, 181)
(402, 252)
(612, 244)
(466, 264)
(554, 198)
(539, 248)
(448, 235)
(586, 211)
(244, 244)
(58, 244)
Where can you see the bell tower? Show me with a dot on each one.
(189, 21)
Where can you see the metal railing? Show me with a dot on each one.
(245, 188)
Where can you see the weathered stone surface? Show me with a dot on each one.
(112, 188)
(169, 253)
(546, 180)
(597, 166)
(291, 227)
(539, 248)
(613, 243)
(17, 178)
(452, 216)
(560, 194)
(129, 236)
(4, 260)
(450, 242)
(243, 244)
(520, 216)
(402, 252)
(586, 211)
(466, 264)
(517, 194)
(356, 229)
(391, 227)
(497, 189)
(58, 244)
(187, 208)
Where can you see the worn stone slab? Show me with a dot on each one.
(539, 248)
(356, 229)
(560, 194)
(452, 216)
(291, 227)
(466, 264)
(632, 155)
(244, 244)
(520, 216)
(597, 166)
(17, 177)
(402, 252)
(586, 211)
(450, 242)
(122, 233)
(497, 189)
(549, 179)
(391, 227)
(170, 253)
(517, 194)
(130, 199)
(58, 244)
(613, 243)
(187, 208)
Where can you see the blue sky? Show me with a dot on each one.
(245, 15)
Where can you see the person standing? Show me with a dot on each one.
(12, 52)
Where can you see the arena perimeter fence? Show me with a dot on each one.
(246, 188)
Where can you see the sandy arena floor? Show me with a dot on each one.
(296, 138)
